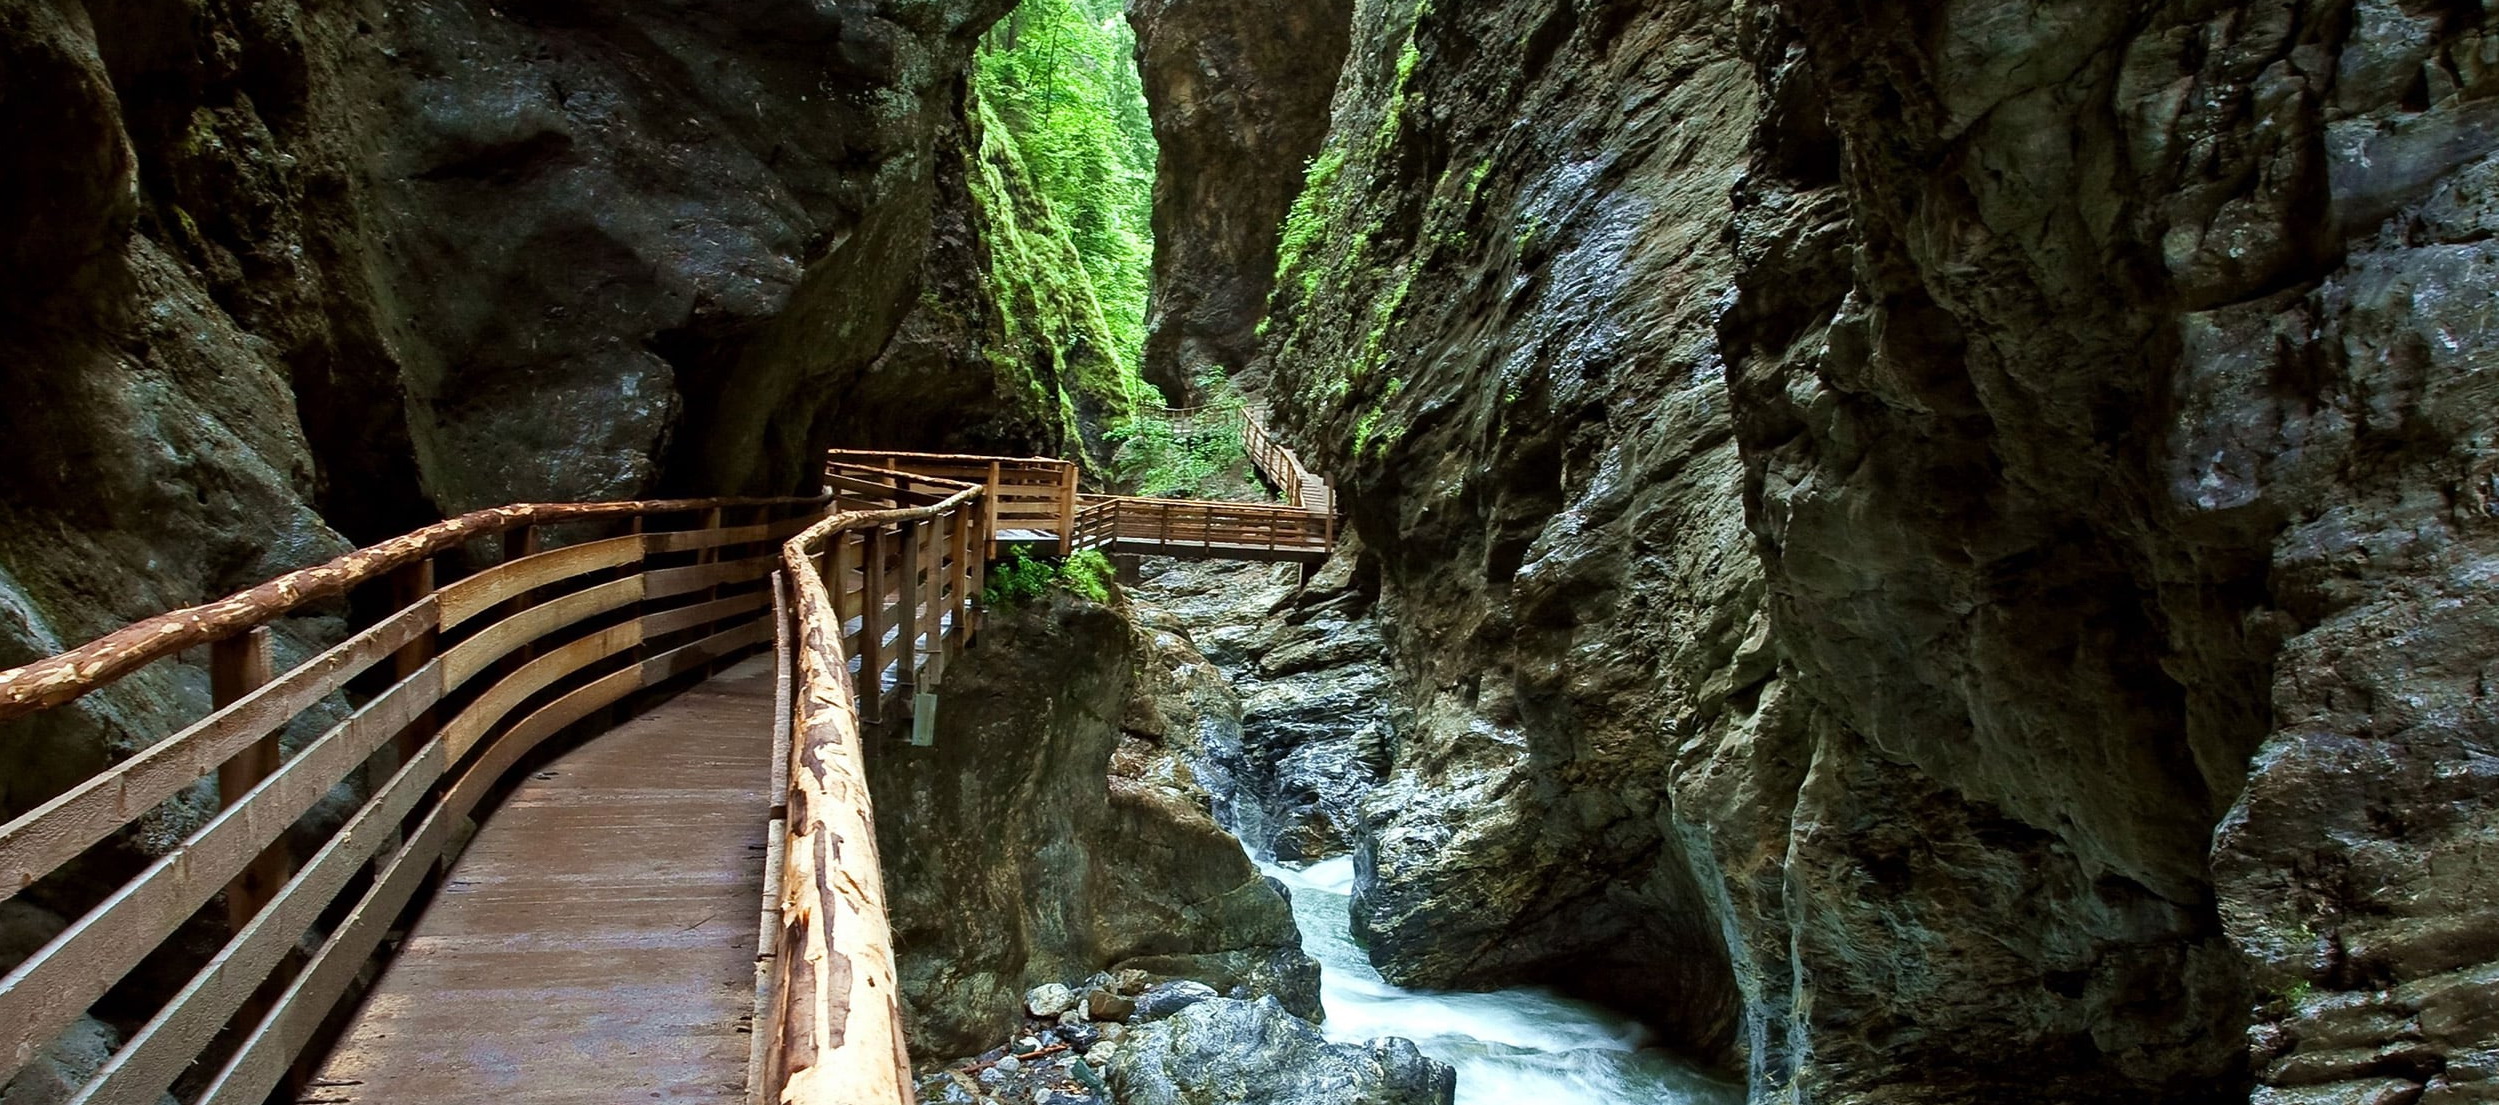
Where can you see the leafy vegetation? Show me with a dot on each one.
(1183, 456)
(1061, 76)
(1020, 577)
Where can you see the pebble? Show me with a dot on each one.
(1049, 1000)
(1107, 1005)
(1165, 999)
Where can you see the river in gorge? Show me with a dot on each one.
(1510, 1046)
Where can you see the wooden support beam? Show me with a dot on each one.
(872, 630)
(907, 641)
(410, 586)
(237, 666)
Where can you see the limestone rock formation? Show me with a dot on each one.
(1239, 93)
(1054, 831)
(1931, 522)
(281, 277)
(1220, 1052)
(1289, 773)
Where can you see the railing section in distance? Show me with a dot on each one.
(436, 701)
(1028, 498)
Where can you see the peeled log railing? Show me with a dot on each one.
(457, 683)
(870, 592)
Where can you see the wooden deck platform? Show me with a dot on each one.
(596, 943)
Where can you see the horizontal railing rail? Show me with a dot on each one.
(441, 697)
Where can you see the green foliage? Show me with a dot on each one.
(1016, 580)
(1020, 577)
(1087, 573)
(1061, 74)
(1309, 215)
(1164, 456)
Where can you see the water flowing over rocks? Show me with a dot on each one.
(1313, 727)
(1220, 1051)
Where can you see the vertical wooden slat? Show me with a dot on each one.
(907, 641)
(872, 630)
(237, 666)
(990, 527)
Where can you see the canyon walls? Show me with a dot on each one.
(1239, 94)
(1953, 542)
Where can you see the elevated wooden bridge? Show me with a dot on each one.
(686, 908)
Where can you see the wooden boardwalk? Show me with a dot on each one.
(596, 942)
(673, 910)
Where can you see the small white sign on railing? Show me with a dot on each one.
(924, 720)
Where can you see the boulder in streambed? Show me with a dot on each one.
(1219, 1051)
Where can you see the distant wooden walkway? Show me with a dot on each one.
(1034, 502)
(596, 942)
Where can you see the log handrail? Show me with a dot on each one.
(833, 1030)
(506, 658)
(65, 677)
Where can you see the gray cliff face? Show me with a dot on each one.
(1501, 341)
(1928, 524)
(1239, 93)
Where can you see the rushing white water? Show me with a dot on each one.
(1510, 1047)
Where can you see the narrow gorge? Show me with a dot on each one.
(1794, 552)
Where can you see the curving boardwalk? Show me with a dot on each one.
(596, 942)
(685, 907)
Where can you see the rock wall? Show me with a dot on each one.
(1925, 524)
(1055, 830)
(1239, 95)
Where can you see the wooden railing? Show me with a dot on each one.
(1031, 494)
(456, 683)
(829, 1024)
(1294, 483)
(1182, 527)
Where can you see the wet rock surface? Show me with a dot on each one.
(1221, 1051)
(1239, 94)
(1055, 830)
(1313, 729)
(1912, 524)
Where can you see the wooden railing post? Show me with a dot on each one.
(1067, 509)
(409, 586)
(961, 550)
(989, 528)
(237, 666)
(907, 638)
(872, 630)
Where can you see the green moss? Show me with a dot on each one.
(1087, 573)
(1309, 215)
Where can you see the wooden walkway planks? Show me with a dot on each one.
(596, 943)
